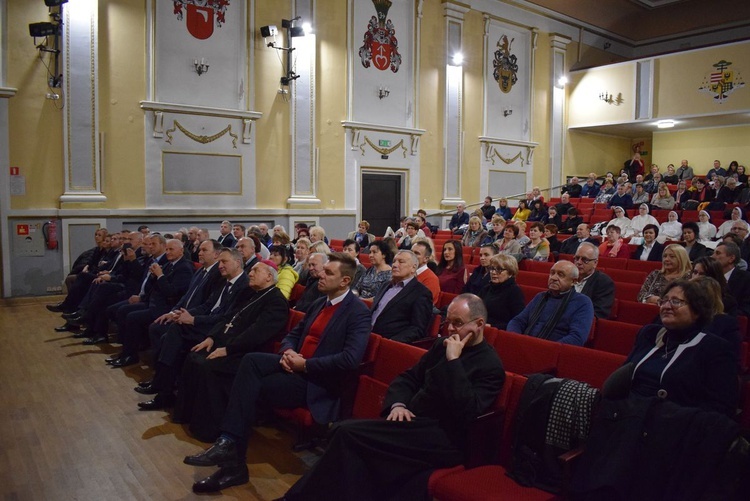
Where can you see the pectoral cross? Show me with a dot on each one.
(227, 327)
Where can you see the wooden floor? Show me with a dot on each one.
(70, 427)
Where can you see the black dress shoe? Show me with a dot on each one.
(223, 478)
(76, 321)
(68, 316)
(146, 390)
(80, 334)
(222, 452)
(65, 328)
(95, 340)
(55, 308)
(143, 384)
(112, 358)
(124, 361)
(158, 403)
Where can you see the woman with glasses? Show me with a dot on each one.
(675, 266)
(503, 296)
(726, 226)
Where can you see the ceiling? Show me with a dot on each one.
(638, 22)
(645, 128)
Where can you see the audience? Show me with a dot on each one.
(651, 249)
(707, 231)
(537, 249)
(475, 233)
(423, 250)
(695, 249)
(594, 284)
(671, 229)
(639, 222)
(282, 256)
(509, 244)
(738, 281)
(613, 245)
(480, 277)
(583, 234)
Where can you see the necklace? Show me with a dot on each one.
(248, 305)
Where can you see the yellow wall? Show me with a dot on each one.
(541, 111)
(35, 136)
(588, 152)
(122, 83)
(702, 146)
(473, 45)
(679, 76)
(585, 107)
(431, 98)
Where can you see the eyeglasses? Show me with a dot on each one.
(584, 260)
(458, 324)
(496, 269)
(674, 302)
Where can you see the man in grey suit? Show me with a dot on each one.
(592, 282)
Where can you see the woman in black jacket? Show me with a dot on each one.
(502, 297)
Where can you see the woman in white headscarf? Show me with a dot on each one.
(670, 229)
(707, 230)
(620, 220)
(640, 221)
(726, 226)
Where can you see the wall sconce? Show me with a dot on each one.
(507, 111)
(201, 66)
(383, 92)
(611, 98)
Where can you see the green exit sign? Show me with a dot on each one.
(384, 143)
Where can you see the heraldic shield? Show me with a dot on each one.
(505, 65)
(200, 21)
(380, 47)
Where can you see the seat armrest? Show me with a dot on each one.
(484, 437)
(567, 461)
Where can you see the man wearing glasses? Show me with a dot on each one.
(592, 282)
(428, 409)
(561, 314)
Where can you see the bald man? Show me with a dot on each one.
(561, 314)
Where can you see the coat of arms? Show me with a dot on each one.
(505, 64)
(380, 44)
(201, 15)
(722, 81)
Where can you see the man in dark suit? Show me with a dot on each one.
(592, 282)
(226, 239)
(258, 316)
(168, 286)
(246, 246)
(316, 355)
(315, 264)
(738, 281)
(206, 282)
(402, 310)
(459, 219)
(191, 327)
(583, 234)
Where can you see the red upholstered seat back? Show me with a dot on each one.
(636, 313)
(615, 337)
(393, 358)
(525, 354)
(587, 365)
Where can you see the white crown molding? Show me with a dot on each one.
(189, 109)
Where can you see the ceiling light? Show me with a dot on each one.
(665, 124)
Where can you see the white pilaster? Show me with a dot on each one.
(557, 112)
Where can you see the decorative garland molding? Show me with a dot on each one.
(201, 138)
(358, 144)
(490, 145)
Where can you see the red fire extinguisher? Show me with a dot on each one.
(49, 230)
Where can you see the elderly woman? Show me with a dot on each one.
(619, 219)
(283, 257)
(707, 231)
(662, 198)
(675, 266)
(509, 243)
(726, 226)
(650, 249)
(381, 257)
(503, 296)
(450, 270)
(362, 235)
(606, 192)
(320, 246)
(475, 233)
(682, 194)
(537, 249)
(671, 229)
(522, 212)
(640, 221)
(301, 251)
(613, 245)
(317, 234)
